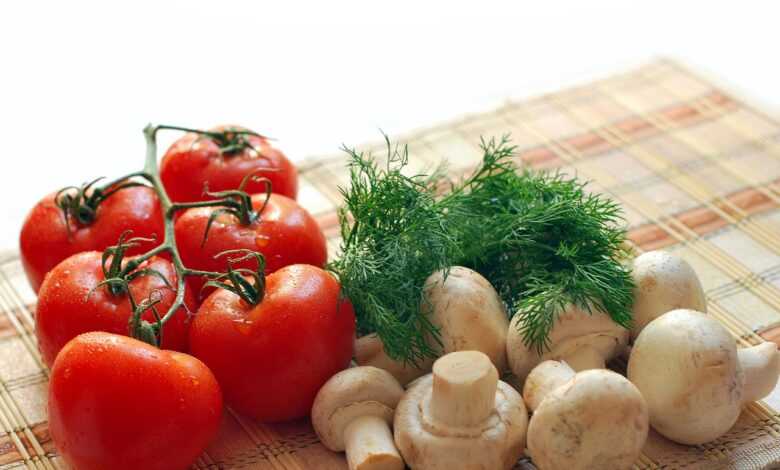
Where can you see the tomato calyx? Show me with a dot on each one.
(235, 202)
(230, 140)
(150, 333)
(117, 273)
(80, 203)
(246, 283)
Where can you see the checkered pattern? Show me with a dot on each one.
(696, 170)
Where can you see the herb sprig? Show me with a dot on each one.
(541, 239)
(394, 236)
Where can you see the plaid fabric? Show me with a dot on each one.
(697, 171)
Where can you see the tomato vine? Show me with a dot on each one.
(82, 205)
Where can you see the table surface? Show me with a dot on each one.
(80, 79)
(696, 169)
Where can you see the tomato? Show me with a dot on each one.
(273, 357)
(285, 233)
(46, 240)
(195, 162)
(66, 308)
(118, 403)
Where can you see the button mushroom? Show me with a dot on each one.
(468, 313)
(584, 340)
(353, 411)
(693, 377)
(461, 416)
(663, 282)
(369, 351)
(586, 420)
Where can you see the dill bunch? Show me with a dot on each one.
(539, 238)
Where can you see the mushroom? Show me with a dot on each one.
(461, 416)
(663, 282)
(693, 377)
(584, 420)
(369, 351)
(584, 340)
(353, 412)
(468, 313)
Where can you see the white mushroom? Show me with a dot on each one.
(693, 377)
(663, 282)
(369, 351)
(461, 416)
(594, 419)
(584, 340)
(468, 313)
(353, 412)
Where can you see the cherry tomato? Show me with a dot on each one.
(285, 233)
(46, 240)
(118, 403)
(273, 357)
(195, 162)
(66, 308)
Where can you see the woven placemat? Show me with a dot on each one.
(696, 169)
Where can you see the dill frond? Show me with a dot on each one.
(394, 236)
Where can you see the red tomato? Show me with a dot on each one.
(196, 161)
(118, 403)
(273, 357)
(285, 233)
(45, 240)
(66, 308)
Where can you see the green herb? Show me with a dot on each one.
(539, 238)
(543, 242)
(394, 236)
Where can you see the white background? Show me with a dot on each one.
(79, 80)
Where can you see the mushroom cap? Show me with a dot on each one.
(574, 328)
(663, 282)
(468, 312)
(686, 366)
(496, 444)
(598, 419)
(354, 392)
(370, 351)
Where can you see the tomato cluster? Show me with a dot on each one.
(272, 329)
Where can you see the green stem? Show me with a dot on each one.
(177, 206)
(117, 279)
(169, 242)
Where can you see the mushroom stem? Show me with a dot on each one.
(761, 366)
(464, 389)
(545, 378)
(369, 445)
(584, 358)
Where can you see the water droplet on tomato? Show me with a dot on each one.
(262, 241)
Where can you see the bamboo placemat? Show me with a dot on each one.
(696, 169)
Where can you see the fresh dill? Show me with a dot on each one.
(393, 237)
(541, 239)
